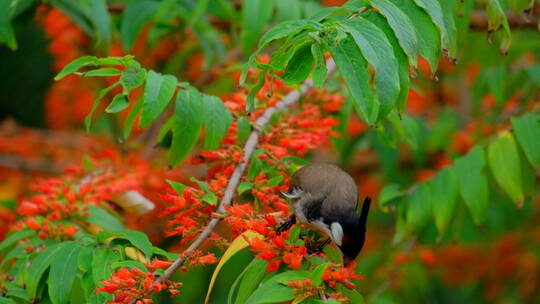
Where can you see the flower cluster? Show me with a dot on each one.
(189, 213)
(133, 284)
(335, 274)
(197, 258)
(305, 289)
(276, 249)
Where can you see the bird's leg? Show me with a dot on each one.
(287, 224)
(317, 249)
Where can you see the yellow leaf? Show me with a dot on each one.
(135, 254)
(238, 244)
(299, 299)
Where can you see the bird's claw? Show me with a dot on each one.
(314, 249)
(287, 224)
(317, 249)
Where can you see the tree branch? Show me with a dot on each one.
(479, 21)
(249, 148)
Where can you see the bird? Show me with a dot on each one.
(326, 198)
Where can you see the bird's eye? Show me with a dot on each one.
(345, 239)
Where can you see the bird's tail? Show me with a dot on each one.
(365, 211)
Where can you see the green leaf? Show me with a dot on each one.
(402, 27)
(204, 186)
(316, 301)
(98, 13)
(158, 91)
(119, 103)
(7, 33)
(75, 65)
(274, 181)
(164, 130)
(102, 264)
(329, 12)
(132, 77)
(418, 208)
(14, 237)
(104, 219)
(281, 57)
(428, 35)
(320, 71)
(130, 120)
(136, 14)
(388, 194)
(244, 128)
(177, 187)
(84, 260)
(244, 186)
(256, 15)
(505, 164)
(126, 60)
(401, 57)
(189, 117)
(129, 264)
(251, 278)
(288, 10)
(217, 120)
(473, 184)
(287, 29)
(102, 93)
(353, 68)
(527, 132)
(317, 274)
(210, 198)
(102, 72)
(496, 18)
(255, 167)
(299, 66)
(407, 128)
(168, 255)
(16, 291)
(352, 294)
(443, 18)
(63, 272)
(444, 191)
(519, 6)
(40, 264)
(6, 300)
(274, 292)
(250, 102)
(378, 52)
(141, 241)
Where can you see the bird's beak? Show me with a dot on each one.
(291, 195)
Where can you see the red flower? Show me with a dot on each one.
(208, 259)
(273, 265)
(158, 264)
(293, 260)
(27, 208)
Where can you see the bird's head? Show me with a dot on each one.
(353, 237)
(354, 232)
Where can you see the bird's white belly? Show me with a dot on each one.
(318, 225)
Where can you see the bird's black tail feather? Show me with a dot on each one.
(365, 211)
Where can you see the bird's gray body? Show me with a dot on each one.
(325, 193)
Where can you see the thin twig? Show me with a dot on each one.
(26, 164)
(249, 148)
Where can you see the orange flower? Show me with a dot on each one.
(208, 259)
(158, 264)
